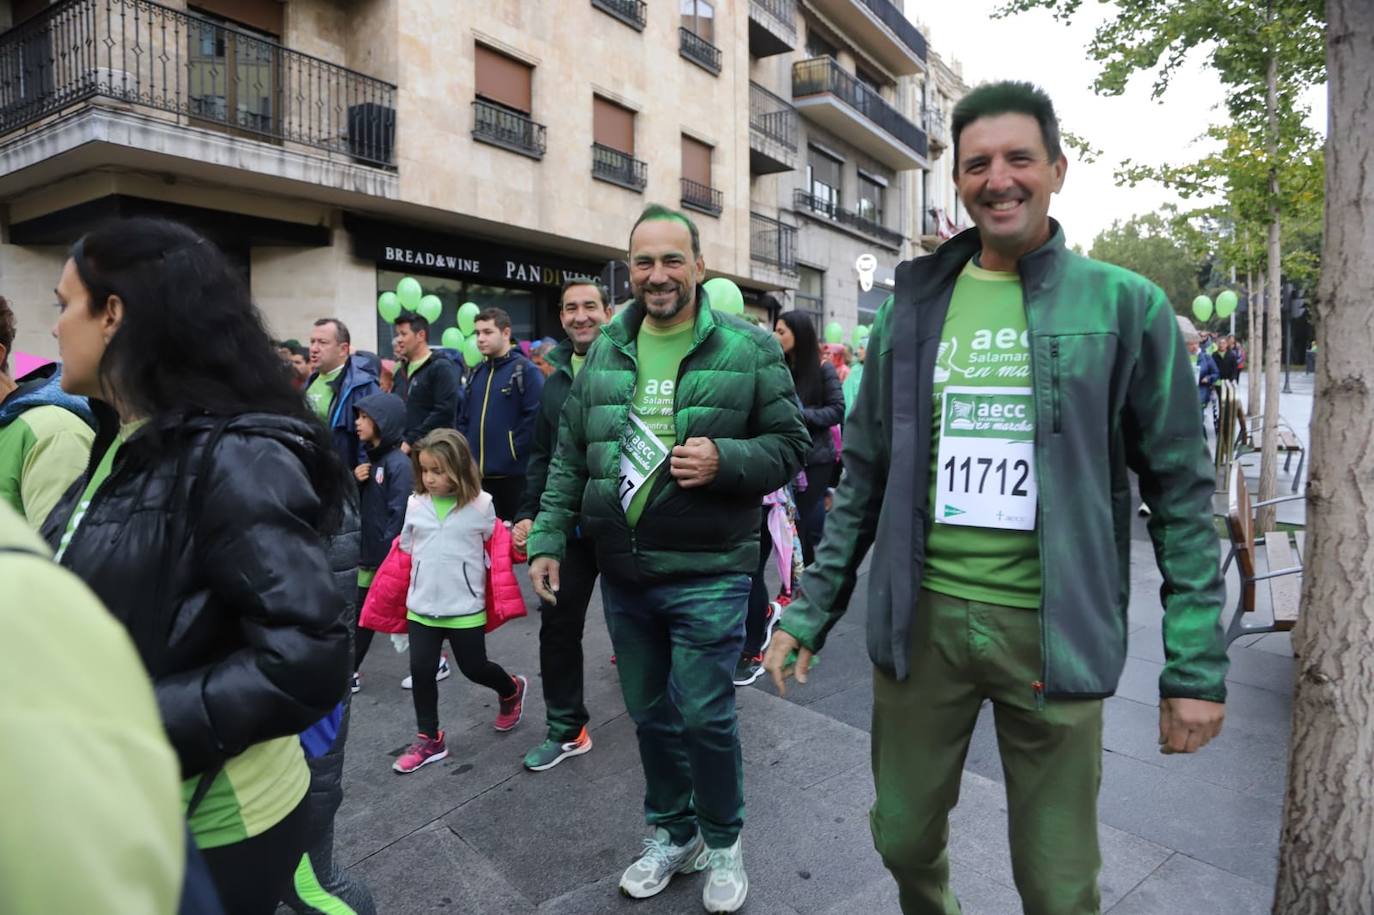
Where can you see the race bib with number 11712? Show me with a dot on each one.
(985, 473)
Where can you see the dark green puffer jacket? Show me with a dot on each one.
(1113, 390)
(733, 388)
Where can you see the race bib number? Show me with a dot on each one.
(640, 454)
(985, 474)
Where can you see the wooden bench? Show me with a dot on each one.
(1288, 444)
(1229, 423)
(1273, 551)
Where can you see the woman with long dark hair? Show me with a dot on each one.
(199, 524)
(822, 400)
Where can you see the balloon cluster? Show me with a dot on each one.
(858, 337)
(409, 297)
(1225, 306)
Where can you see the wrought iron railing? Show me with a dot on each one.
(510, 129)
(701, 197)
(773, 243)
(698, 50)
(820, 207)
(821, 75)
(933, 120)
(211, 74)
(772, 116)
(784, 11)
(634, 13)
(902, 27)
(617, 167)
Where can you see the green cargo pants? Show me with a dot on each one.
(962, 653)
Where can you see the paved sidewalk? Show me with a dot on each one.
(478, 834)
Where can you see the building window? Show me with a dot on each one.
(817, 46)
(699, 18)
(259, 15)
(697, 193)
(810, 295)
(870, 203)
(504, 80)
(823, 181)
(233, 69)
(613, 125)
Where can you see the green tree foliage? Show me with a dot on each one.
(1146, 245)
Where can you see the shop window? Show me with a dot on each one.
(823, 181)
(504, 80)
(523, 305)
(870, 203)
(613, 126)
(810, 294)
(699, 17)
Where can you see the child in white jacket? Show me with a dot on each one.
(448, 521)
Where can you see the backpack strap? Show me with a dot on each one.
(519, 376)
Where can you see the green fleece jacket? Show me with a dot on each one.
(1113, 391)
(734, 388)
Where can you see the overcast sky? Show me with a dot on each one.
(1131, 126)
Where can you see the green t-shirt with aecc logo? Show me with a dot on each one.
(320, 395)
(984, 345)
(661, 352)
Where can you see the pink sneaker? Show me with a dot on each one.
(421, 753)
(512, 709)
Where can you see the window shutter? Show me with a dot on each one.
(696, 161)
(503, 80)
(613, 125)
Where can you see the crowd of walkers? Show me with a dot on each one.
(228, 522)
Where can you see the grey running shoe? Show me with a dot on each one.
(726, 882)
(661, 859)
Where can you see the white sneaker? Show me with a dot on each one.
(442, 673)
(726, 882)
(649, 875)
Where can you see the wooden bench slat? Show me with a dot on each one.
(1286, 590)
(1288, 441)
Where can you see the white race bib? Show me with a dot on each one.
(985, 472)
(640, 454)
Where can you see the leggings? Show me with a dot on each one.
(469, 651)
(811, 507)
(252, 876)
(758, 592)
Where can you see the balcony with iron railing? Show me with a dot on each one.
(699, 51)
(881, 30)
(772, 27)
(828, 211)
(612, 165)
(933, 120)
(634, 13)
(772, 132)
(178, 68)
(837, 100)
(508, 129)
(773, 243)
(701, 197)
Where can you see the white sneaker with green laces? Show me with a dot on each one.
(726, 882)
(662, 859)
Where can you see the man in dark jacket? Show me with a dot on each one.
(582, 311)
(430, 383)
(1010, 385)
(498, 419)
(337, 382)
(680, 422)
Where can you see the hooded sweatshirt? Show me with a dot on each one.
(45, 441)
(383, 496)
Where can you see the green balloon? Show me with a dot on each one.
(834, 332)
(860, 335)
(467, 313)
(471, 354)
(724, 295)
(409, 292)
(1202, 308)
(430, 308)
(453, 338)
(1226, 303)
(388, 306)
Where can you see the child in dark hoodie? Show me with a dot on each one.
(385, 483)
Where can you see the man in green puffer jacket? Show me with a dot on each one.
(1010, 386)
(679, 423)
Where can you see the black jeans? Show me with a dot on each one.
(560, 641)
(758, 592)
(252, 876)
(811, 507)
(469, 650)
(505, 495)
(362, 637)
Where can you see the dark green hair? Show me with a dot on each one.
(1008, 97)
(657, 211)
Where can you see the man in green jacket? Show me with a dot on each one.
(582, 310)
(1011, 385)
(679, 423)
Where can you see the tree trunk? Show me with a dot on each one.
(1254, 356)
(1273, 327)
(1326, 863)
